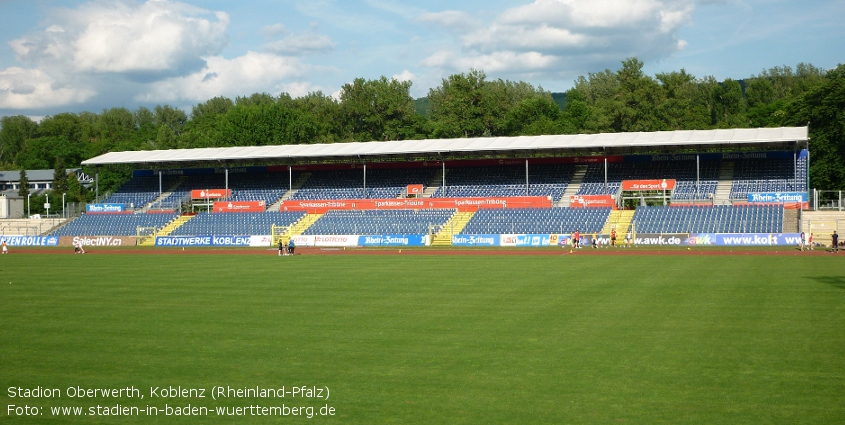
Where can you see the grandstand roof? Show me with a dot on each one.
(606, 142)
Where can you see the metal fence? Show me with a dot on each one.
(828, 200)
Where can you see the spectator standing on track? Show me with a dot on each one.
(291, 246)
(595, 241)
(576, 239)
(628, 239)
(613, 237)
(281, 247)
(5, 248)
(810, 242)
(835, 238)
(803, 241)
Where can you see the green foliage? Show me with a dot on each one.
(60, 182)
(377, 110)
(467, 105)
(14, 133)
(823, 107)
(75, 191)
(463, 105)
(23, 189)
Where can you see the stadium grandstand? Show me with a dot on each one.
(503, 191)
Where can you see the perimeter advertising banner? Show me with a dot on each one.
(560, 240)
(392, 240)
(717, 239)
(30, 240)
(204, 241)
(210, 193)
(749, 239)
(475, 240)
(461, 204)
(659, 239)
(665, 184)
(97, 240)
(104, 208)
(238, 206)
(525, 240)
(261, 240)
(326, 240)
(593, 201)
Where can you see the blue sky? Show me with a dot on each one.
(72, 55)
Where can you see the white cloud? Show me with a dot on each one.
(292, 44)
(404, 76)
(154, 37)
(501, 61)
(32, 88)
(547, 35)
(244, 75)
(156, 51)
(453, 19)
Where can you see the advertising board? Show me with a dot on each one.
(594, 201)
(524, 240)
(261, 240)
(183, 241)
(104, 208)
(326, 240)
(777, 197)
(415, 189)
(461, 204)
(392, 240)
(661, 239)
(756, 239)
(231, 240)
(665, 184)
(205, 240)
(717, 239)
(238, 206)
(475, 240)
(30, 240)
(210, 193)
(97, 240)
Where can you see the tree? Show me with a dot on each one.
(14, 133)
(377, 110)
(75, 191)
(467, 105)
(165, 139)
(255, 99)
(576, 115)
(534, 116)
(215, 106)
(171, 117)
(60, 184)
(641, 100)
(730, 106)
(115, 130)
(598, 91)
(321, 110)
(457, 106)
(823, 107)
(23, 186)
(685, 107)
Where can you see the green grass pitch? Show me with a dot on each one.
(431, 339)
